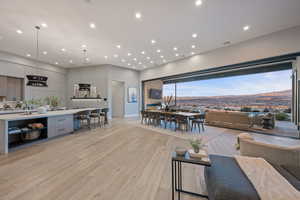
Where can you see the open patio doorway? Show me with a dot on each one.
(263, 100)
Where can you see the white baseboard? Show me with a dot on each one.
(132, 115)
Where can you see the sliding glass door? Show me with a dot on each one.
(257, 94)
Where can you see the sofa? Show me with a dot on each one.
(228, 119)
(275, 154)
(237, 120)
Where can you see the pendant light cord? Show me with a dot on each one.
(37, 42)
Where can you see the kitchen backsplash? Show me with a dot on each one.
(11, 104)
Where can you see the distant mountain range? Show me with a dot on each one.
(271, 99)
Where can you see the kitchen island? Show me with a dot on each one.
(56, 123)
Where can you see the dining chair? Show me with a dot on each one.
(169, 120)
(198, 121)
(181, 121)
(145, 117)
(157, 119)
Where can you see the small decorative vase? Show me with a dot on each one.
(167, 108)
(196, 150)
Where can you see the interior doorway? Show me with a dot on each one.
(118, 98)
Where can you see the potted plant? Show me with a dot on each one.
(197, 144)
(52, 101)
(198, 148)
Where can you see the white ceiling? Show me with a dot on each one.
(170, 22)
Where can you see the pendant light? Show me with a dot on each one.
(37, 28)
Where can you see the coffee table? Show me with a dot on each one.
(177, 173)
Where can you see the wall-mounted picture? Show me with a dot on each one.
(132, 95)
(155, 94)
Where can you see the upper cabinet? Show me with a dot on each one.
(3, 86)
(11, 88)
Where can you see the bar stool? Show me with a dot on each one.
(84, 116)
(103, 114)
(95, 115)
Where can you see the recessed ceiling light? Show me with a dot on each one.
(148, 58)
(44, 25)
(106, 57)
(246, 28)
(153, 41)
(56, 63)
(28, 55)
(151, 62)
(83, 46)
(143, 52)
(176, 54)
(71, 61)
(63, 49)
(198, 2)
(135, 59)
(138, 15)
(123, 60)
(175, 48)
(162, 56)
(158, 51)
(92, 25)
(129, 54)
(45, 52)
(19, 31)
(140, 63)
(116, 55)
(128, 64)
(118, 46)
(193, 46)
(87, 59)
(193, 53)
(194, 35)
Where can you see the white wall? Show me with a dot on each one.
(96, 76)
(15, 66)
(275, 44)
(102, 77)
(131, 78)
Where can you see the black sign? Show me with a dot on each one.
(37, 81)
(84, 87)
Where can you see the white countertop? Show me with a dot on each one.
(22, 116)
(4, 112)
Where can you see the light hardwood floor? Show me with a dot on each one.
(124, 161)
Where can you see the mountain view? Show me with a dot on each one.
(274, 100)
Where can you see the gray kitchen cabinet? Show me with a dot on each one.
(3, 86)
(14, 89)
(60, 125)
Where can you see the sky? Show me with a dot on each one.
(235, 85)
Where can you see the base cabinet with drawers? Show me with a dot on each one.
(60, 125)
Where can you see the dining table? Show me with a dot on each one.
(188, 115)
